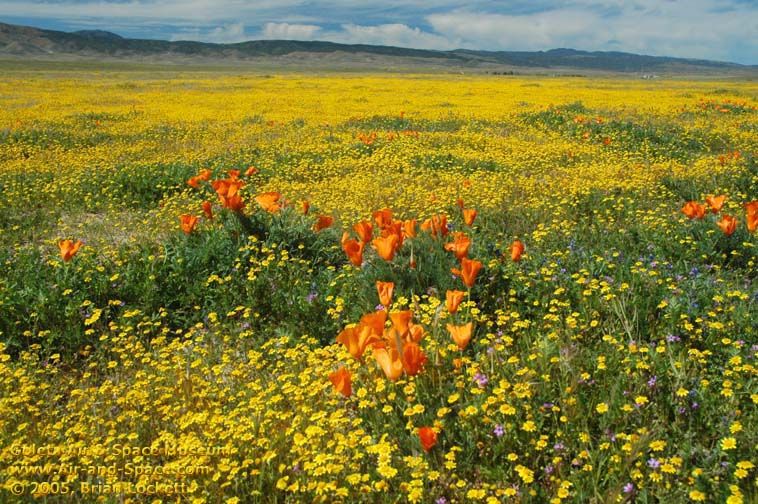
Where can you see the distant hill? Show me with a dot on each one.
(28, 42)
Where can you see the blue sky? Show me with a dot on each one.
(721, 30)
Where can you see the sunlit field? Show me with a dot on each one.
(264, 288)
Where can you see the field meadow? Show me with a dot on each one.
(247, 287)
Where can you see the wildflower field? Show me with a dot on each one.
(237, 287)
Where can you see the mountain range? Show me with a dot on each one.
(38, 44)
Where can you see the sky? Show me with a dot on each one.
(725, 30)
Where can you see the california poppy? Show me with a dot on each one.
(364, 230)
(436, 224)
(233, 174)
(395, 228)
(517, 250)
(233, 203)
(453, 300)
(383, 218)
(415, 332)
(194, 182)
(323, 222)
(306, 207)
(401, 323)
(188, 223)
(228, 193)
(751, 210)
(252, 170)
(269, 201)
(389, 360)
(207, 210)
(461, 334)
(341, 379)
(227, 187)
(440, 224)
(428, 438)
(460, 246)
(204, 175)
(69, 249)
(752, 222)
(715, 202)
(693, 209)
(413, 358)
(374, 321)
(357, 338)
(469, 214)
(468, 272)
(385, 246)
(354, 251)
(385, 290)
(409, 228)
(728, 224)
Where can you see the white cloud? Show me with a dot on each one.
(391, 34)
(228, 34)
(526, 32)
(286, 31)
(692, 28)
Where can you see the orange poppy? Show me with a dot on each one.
(396, 228)
(252, 170)
(354, 251)
(428, 438)
(385, 246)
(207, 210)
(269, 201)
(194, 182)
(357, 338)
(415, 332)
(469, 214)
(752, 222)
(341, 379)
(413, 358)
(751, 210)
(233, 174)
(693, 209)
(715, 202)
(440, 223)
(323, 222)
(69, 249)
(389, 360)
(461, 334)
(468, 272)
(728, 224)
(364, 230)
(383, 218)
(385, 290)
(306, 207)
(460, 246)
(401, 322)
(453, 300)
(374, 321)
(436, 224)
(228, 193)
(517, 250)
(409, 228)
(204, 175)
(188, 223)
(233, 203)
